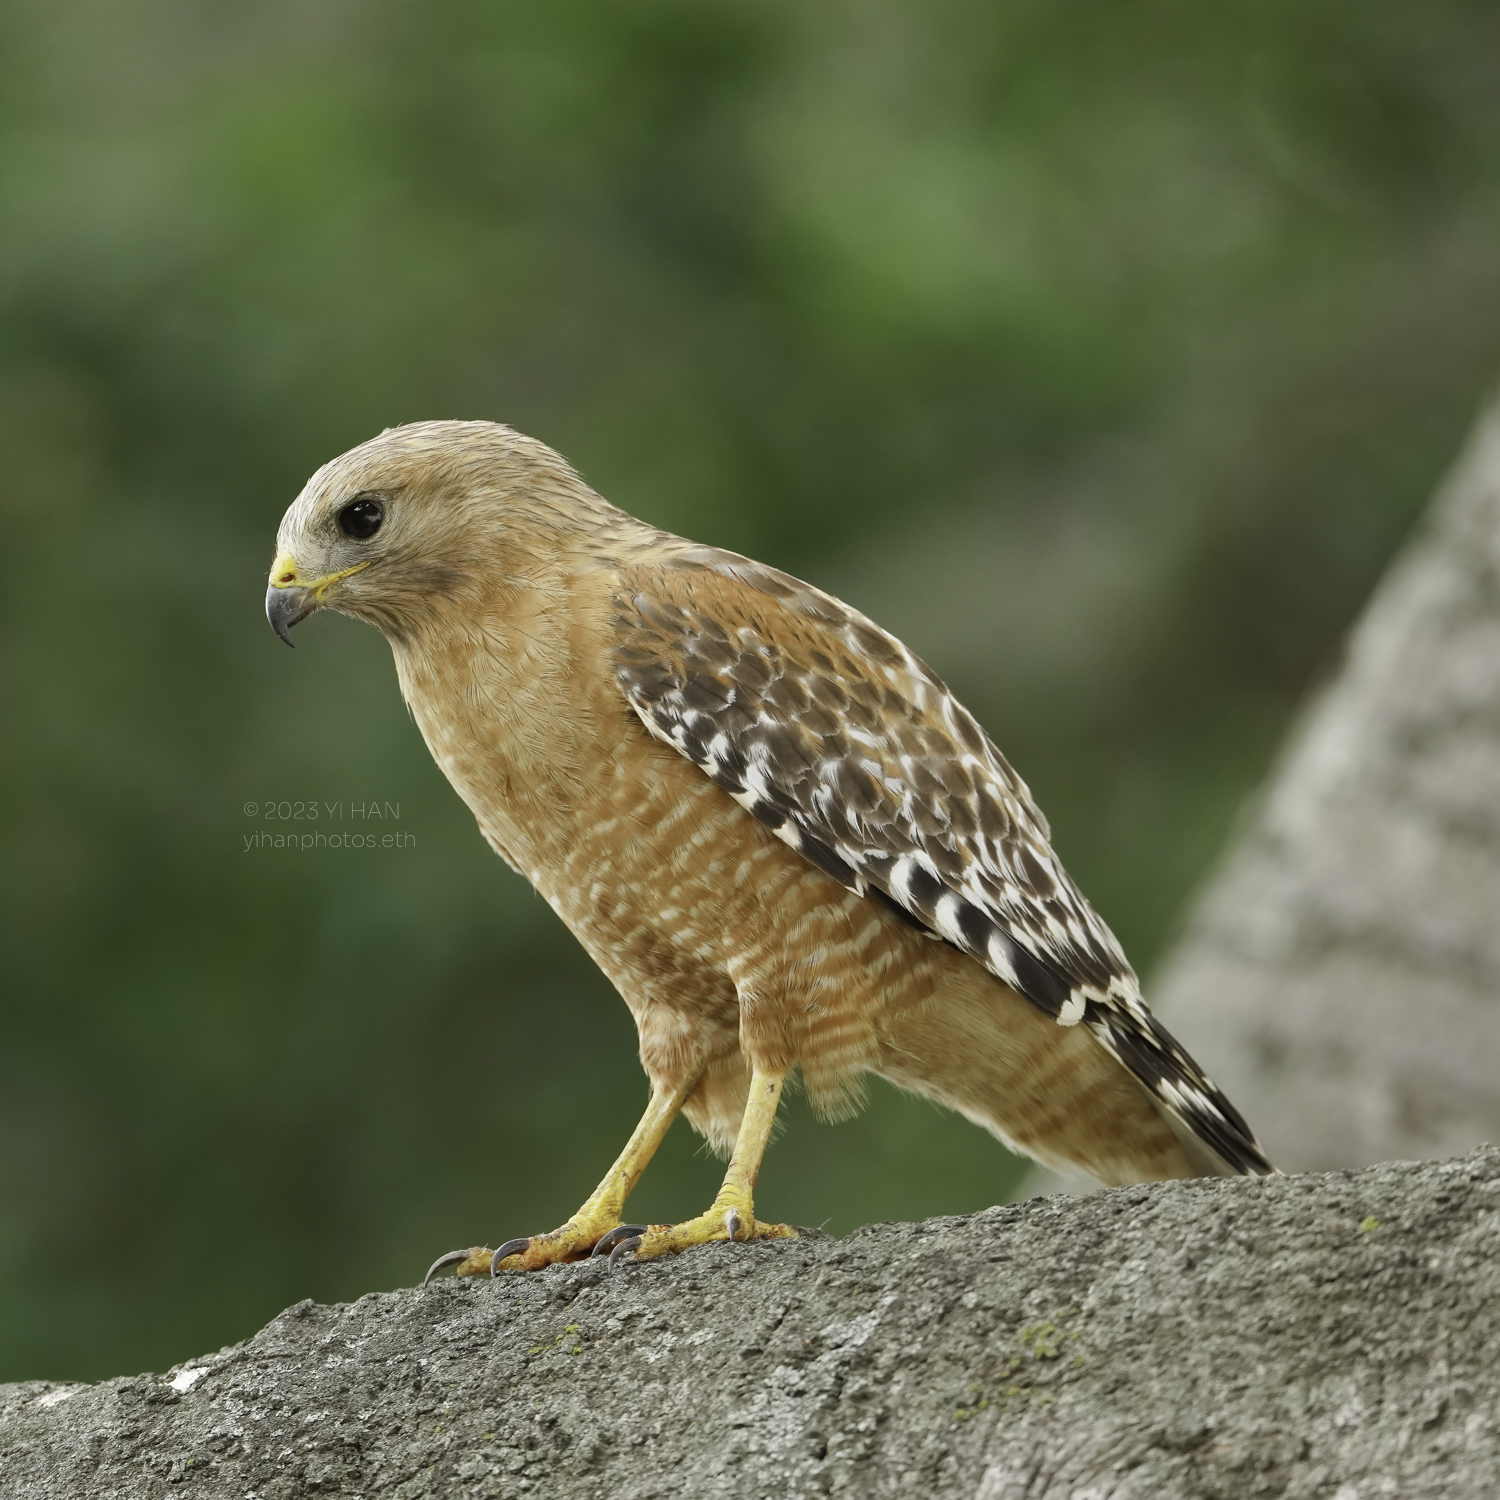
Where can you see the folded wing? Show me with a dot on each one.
(845, 744)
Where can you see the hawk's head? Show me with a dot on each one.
(421, 516)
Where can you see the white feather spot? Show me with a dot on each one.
(999, 952)
(946, 915)
(1072, 1009)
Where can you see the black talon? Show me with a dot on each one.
(625, 1247)
(732, 1224)
(510, 1247)
(450, 1259)
(612, 1237)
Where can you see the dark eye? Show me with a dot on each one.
(361, 518)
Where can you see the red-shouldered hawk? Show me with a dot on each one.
(775, 830)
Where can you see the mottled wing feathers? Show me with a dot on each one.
(840, 740)
(836, 737)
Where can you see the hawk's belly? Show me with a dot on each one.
(732, 950)
(728, 946)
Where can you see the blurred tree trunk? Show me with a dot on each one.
(1340, 977)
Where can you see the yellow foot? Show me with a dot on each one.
(576, 1240)
(717, 1224)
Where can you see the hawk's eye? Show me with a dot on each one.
(361, 518)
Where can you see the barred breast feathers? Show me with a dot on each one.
(852, 751)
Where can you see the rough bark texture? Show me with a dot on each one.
(1341, 978)
(1334, 1336)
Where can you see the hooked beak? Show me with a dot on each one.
(290, 598)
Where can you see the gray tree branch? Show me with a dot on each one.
(1289, 1336)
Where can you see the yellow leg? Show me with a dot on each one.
(601, 1210)
(732, 1216)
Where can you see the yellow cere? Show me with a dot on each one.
(284, 575)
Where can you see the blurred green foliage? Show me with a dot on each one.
(1104, 352)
